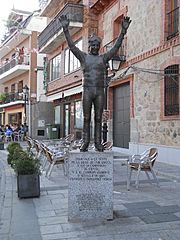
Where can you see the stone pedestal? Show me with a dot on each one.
(90, 190)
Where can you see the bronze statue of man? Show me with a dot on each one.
(93, 66)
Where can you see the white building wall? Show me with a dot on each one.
(41, 97)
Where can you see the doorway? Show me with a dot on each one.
(121, 116)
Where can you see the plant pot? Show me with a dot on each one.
(28, 186)
(1, 146)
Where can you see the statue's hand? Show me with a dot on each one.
(125, 24)
(64, 21)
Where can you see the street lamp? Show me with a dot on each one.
(115, 62)
(114, 65)
(25, 91)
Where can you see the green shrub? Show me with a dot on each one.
(3, 96)
(24, 164)
(12, 148)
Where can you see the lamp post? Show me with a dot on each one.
(25, 91)
(114, 65)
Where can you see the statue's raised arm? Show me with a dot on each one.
(65, 24)
(125, 24)
(113, 51)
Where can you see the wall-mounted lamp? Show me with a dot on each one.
(115, 62)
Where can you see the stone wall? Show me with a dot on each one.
(146, 50)
(147, 126)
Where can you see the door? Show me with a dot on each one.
(121, 116)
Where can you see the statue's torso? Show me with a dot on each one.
(94, 71)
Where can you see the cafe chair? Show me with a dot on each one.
(38, 148)
(143, 162)
(9, 137)
(68, 138)
(18, 136)
(31, 147)
(107, 145)
(54, 159)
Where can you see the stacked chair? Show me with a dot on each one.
(50, 153)
(55, 152)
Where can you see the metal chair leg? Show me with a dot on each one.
(137, 178)
(50, 170)
(155, 178)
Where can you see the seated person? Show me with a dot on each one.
(16, 128)
(1, 129)
(1, 132)
(17, 133)
(8, 131)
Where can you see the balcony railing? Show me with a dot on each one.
(14, 62)
(121, 51)
(12, 97)
(173, 23)
(74, 13)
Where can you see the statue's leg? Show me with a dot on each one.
(98, 107)
(87, 105)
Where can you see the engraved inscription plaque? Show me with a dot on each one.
(90, 190)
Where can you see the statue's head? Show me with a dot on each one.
(94, 44)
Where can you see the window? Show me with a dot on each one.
(6, 90)
(172, 12)
(117, 22)
(13, 88)
(78, 119)
(55, 67)
(20, 86)
(71, 62)
(171, 90)
(57, 117)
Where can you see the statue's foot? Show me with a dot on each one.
(99, 147)
(84, 147)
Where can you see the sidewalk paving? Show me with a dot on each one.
(147, 213)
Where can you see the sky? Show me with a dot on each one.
(7, 5)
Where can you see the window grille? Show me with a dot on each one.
(171, 90)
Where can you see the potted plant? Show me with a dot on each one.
(1, 143)
(3, 96)
(27, 169)
(11, 148)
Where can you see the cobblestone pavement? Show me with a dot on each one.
(147, 213)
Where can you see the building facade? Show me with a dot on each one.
(63, 77)
(19, 58)
(144, 95)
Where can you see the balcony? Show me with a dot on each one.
(13, 68)
(12, 99)
(53, 35)
(173, 23)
